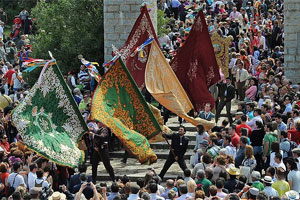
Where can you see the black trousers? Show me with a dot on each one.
(175, 11)
(169, 162)
(103, 156)
(221, 105)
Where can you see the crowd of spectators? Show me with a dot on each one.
(252, 155)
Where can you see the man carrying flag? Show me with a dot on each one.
(179, 146)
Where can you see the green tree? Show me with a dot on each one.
(68, 28)
(162, 21)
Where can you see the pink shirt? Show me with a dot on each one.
(251, 92)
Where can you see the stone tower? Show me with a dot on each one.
(119, 18)
(292, 40)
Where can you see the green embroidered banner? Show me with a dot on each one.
(118, 103)
(49, 120)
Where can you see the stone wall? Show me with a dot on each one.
(119, 18)
(292, 40)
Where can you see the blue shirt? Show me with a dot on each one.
(285, 147)
(288, 108)
(240, 155)
(282, 126)
(175, 3)
(271, 192)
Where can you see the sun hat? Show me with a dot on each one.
(57, 196)
(267, 179)
(233, 171)
(254, 191)
(292, 194)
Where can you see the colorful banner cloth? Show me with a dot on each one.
(49, 121)
(195, 64)
(163, 85)
(118, 103)
(93, 71)
(33, 63)
(141, 31)
(221, 47)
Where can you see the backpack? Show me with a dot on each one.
(293, 145)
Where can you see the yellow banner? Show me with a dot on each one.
(163, 85)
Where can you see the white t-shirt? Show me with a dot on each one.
(272, 156)
(294, 176)
(39, 181)
(17, 82)
(31, 180)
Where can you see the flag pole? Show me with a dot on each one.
(172, 150)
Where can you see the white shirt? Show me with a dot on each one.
(183, 197)
(1, 32)
(253, 121)
(244, 75)
(17, 82)
(39, 181)
(15, 180)
(272, 161)
(31, 180)
(133, 197)
(280, 165)
(262, 41)
(231, 150)
(154, 196)
(294, 176)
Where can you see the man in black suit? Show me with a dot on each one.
(100, 153)
(179, 145)
(225, 99)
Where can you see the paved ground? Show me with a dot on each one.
(135, 170)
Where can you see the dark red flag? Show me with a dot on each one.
(195, 64)
(141, 31)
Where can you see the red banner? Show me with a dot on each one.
(195, 64)
(141, 31)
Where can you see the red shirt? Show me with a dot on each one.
(8, 75)
(238, 128)
(294, 135)
(235, 140)
(5, 145)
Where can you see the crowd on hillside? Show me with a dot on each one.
(252, 155)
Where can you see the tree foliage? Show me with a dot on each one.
(69, 28)
(162, 21)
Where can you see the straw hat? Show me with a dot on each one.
(233, 171)
(57, 196)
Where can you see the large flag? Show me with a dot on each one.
(163, 85)
(49, 121)
(118, 103)
(195, 64)
(142, 30)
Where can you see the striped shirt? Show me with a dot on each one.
(82, 75)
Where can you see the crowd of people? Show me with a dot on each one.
(252, 155)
